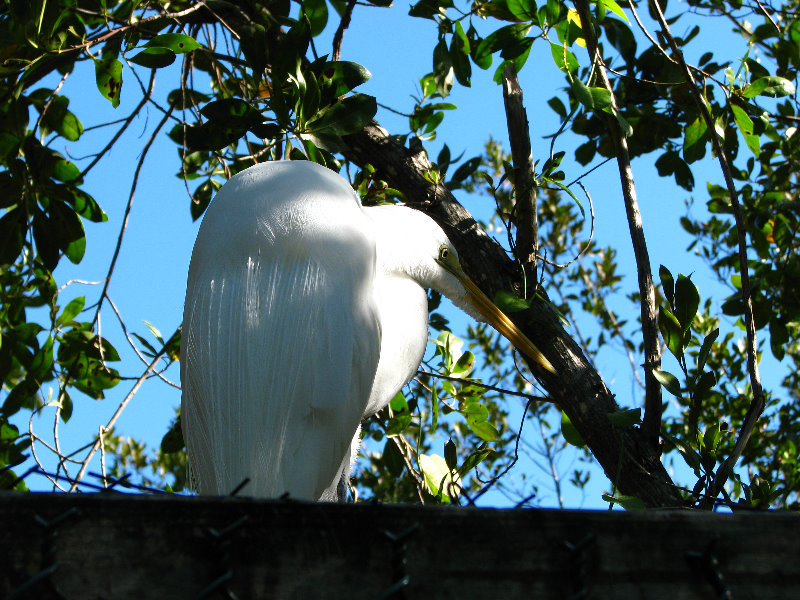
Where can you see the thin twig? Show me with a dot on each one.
(112, 421)
(33, 437)
(135, 348)
(483, 385)
(651, 422)
(588, 243)
(50, 101)
(551, 461)
(128, 207)
(404, 448)
(343, 25)
(127, 121)
(769, 17)
(100, 433)
(525, 216)
(757, 404)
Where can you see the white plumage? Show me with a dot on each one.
(304, 314)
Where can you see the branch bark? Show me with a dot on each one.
(525, 215)
(629, 461)
(651, 423)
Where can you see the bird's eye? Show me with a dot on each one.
(444, 253)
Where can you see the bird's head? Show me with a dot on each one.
(487, 311)
(421, 250)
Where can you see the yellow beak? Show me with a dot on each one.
(498, 319)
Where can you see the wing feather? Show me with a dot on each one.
(281, 336)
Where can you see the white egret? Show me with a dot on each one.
(305, 313)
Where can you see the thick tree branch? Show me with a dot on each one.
(651, 424)
(757, 404)
(525, 216)
(633, 465)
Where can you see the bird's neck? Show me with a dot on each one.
(403, 317)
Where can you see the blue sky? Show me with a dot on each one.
(149, 280)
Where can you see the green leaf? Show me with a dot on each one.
(745, 125)
(231, 113)
(173, 439)
(442, 68)
(509, 302)
(398, 424)
(769, 86)
(68, 230)
(524, 10)
(484, 430)
(564, 59)
(558, 107)
(42, 362)
(57, 118)
(694, 140)
(439, 479)
(702, 356)
(689, 455)
(392, 457)
(347, 116)
(64, 170)
(509, 39)
(177, 42)
(570, 432)
(625, 418)
(476, 411)
(71, 310)
(336, 78)
(316, 11)
(669, 381)
(705, 382)
(778, 337)
(474, 459)
(671, 331)
(154, 58)
(253, 42)
(154, 330)
(45, 238)
(434, 410)
(399, 403)
(592, 98)
(552, 12)
(149, 349)
(66, 407)
(108, 74)
(464, 365)
(627, 128)
(687, 300)
(86, 206)
(667, 284)
(711, 438)
(626, 502)
(614, 8)
(464, 171)
(450, 455)
(459, 56)
(202, 198)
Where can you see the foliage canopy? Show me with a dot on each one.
(253, 85)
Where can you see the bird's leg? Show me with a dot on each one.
(344, 481)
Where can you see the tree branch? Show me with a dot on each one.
(343, 25)
(127, 214)
(578, 389)
(651, 423)
(525, 216)
(757, 404)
